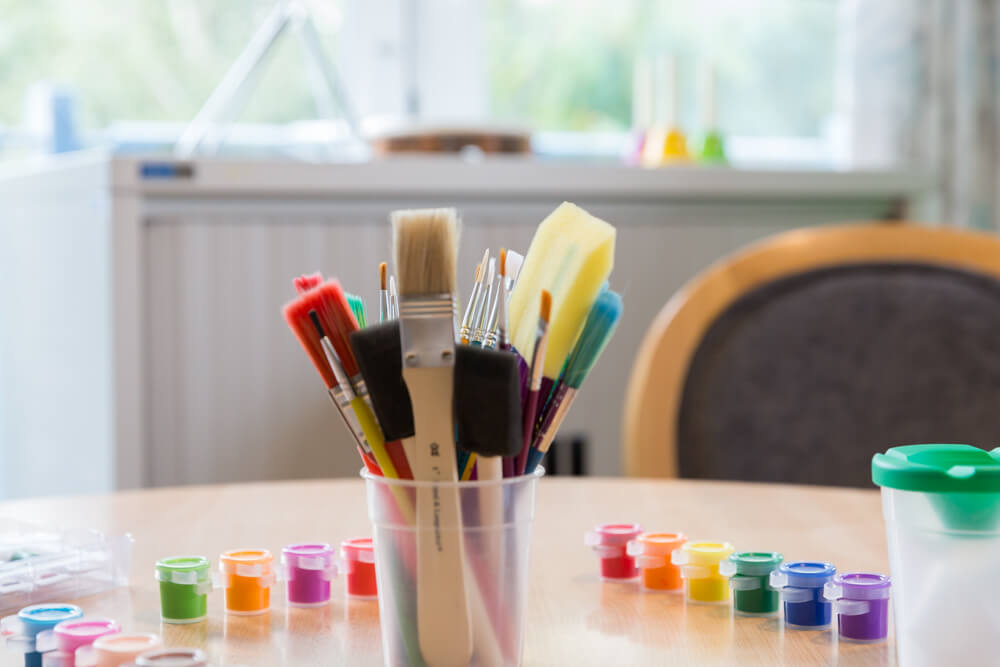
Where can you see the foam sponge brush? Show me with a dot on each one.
(487, 401)
(571, 256)
(379, 354)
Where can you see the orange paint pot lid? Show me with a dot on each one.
(247, 562)
(657, 544)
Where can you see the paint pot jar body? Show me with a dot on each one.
(185, 582)
(749, 575)
(699, 563)
(861, 602)
(610, 542)
(801, 585)
(652, 554)
(249, 576)
(308, 569)
(358, 555)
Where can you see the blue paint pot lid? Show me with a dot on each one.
(802, 574)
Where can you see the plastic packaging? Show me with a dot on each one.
(749, 575)
(610, 543)
(652, 555)
(44, 565)
(248, 578)
(495, 534)
(699, 563)
(861, 603)
(185, 582)
(801, 585)
(358, 555)
(941, 505)
(308, 569)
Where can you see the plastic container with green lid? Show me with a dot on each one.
(749, 573)
(941, 505)
(185, 582)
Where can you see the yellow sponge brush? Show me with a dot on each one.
(571, 256)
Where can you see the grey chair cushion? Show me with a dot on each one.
(803, 379)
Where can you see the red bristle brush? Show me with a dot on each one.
(297, 316)
(339, 322)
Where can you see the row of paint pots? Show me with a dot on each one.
(58, 635)
(758, 583)
(247, 575)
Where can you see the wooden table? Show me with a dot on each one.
(573, 618)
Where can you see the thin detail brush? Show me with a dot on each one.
(393, 299)
(498, 304)
(535, 378)
(465, 331)
(383, 292)
(482, 315)
(601, 322)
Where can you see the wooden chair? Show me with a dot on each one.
(890, 328)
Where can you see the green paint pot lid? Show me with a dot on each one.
(755, 563)
(938, 469)
(177, 564)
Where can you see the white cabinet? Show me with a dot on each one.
(193, 375)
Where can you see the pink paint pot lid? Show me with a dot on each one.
(70, 635)
(316, 556)
(612, 534)
(359, 549)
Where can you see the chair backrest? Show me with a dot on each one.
(798, 358)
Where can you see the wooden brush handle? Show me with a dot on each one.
(443, 622)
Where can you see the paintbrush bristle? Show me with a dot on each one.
(297, 315)
(383, 276)
(600, 324)
(425, 243)
(546, 306)
(503, 262)
(304, 283)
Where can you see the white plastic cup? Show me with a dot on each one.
(944, 551)
(495, 534)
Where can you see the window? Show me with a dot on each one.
(557, 66)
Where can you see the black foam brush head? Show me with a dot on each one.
(487, 403)
(379, 355)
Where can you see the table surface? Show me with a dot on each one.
(573, 618)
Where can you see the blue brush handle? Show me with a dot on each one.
(534, 460)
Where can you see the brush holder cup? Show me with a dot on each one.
(452, 567)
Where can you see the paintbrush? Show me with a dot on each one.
(339, 322)
(465, 331)
(383, 292)
(491, 288)
(597, 331)
(424, 248)
(357, 305)
(393, 299)
(530, 405)
(297, 317)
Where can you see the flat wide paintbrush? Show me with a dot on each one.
(597, 331)
(297, 317)
(424, 245)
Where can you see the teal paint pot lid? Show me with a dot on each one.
(751, 563)
(184, 569)
(938, 469)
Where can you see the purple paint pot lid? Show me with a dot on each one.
(316, 556)
(858, 586)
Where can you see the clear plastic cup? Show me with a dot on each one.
(941, 505)
(470, 543)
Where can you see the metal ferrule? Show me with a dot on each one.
(383, 306)
(343, 405)
(427, 330)
(536, 368)
(488, 322)
(361, 391)
(338, 369)
(465, 331)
